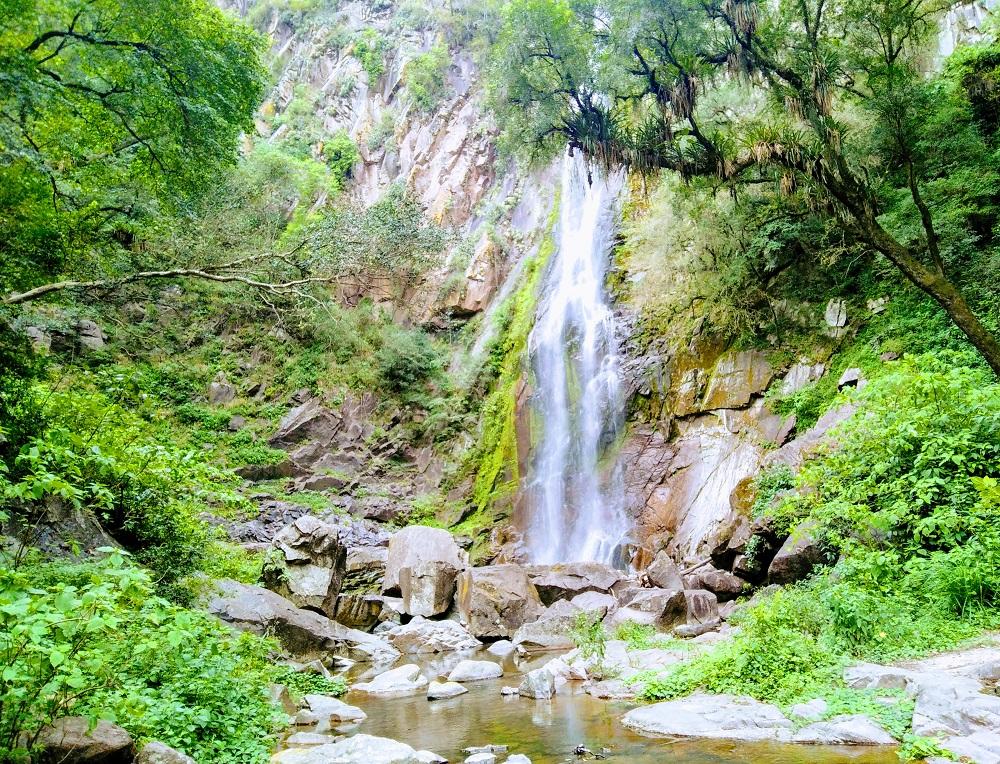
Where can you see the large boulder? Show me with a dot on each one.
(428, 587)
(854, 729)
(70, 740)
(324, 708)
(797, 557)
(308, 421)
(654, 607)
(701, 606)
(357, 749)
(539, 684)
(663, 572)
(566, 580)
(547, 633)
(423, 636)
(364, 569)
(418, 544)
(496, 600)
(397, 682)
(359, 611)
(724, 585)
(711, 716)
(444, 690)
(302, 632)
(308, 564)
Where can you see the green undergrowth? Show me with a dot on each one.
(906, 499)
(301, 683)
(93, 639)
(641, 636)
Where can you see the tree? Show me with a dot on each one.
(112, 112)
(823, 102)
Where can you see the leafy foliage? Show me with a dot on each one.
(588, 633)
(425, 77)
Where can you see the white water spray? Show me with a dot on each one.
(575, 513)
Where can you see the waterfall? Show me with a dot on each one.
(574, 511)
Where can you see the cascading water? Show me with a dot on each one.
(575, 513)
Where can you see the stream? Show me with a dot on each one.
(549, 731)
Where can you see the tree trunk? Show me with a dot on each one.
(940, 289)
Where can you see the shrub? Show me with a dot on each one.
(588, 634)
(341, 155)
(425, 77)
(92, 639)
(370, 49)
(406, 359)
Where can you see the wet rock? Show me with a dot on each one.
(357, 749)
(711, 716)
(416, 544)
(481, 758)
(538, 684)
(856, 729)
(518, 758)
(736, 378)
(423, 636)
(567, 580)
(310, 565)
(220, 391)
(428, 587)
(255, 473)
(429, 757)
(442, 690)
(814, 709)
(725, 586)
(474, 671)
(547, 633)
(496, 600)
(663, 572)
(611, 689)
(301, 632)
(501, 648)
(306, 739)
(160, 753)
(797, 557)
(508, 691)
(333, 710)
(324, 482)
(70, 740)
(404, 680)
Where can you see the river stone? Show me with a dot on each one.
(404, 680)
(552, 633)
(160, 753)
(596, 603)
(711, 716)
(501, 648)
(663, 572)
(70, 740)
(482, 758)
(306, 739)
(855, 729)
(539, 684)
(302, 632)
(429, 757)
(870, 676)
(611, 689)
(566, 580)
(427, 587)
(442, 690)
(357, 749)
(495, 600)
(423, 636)
(416, 544)
(309, 564)
(474, 671)
(333, 710)
(518, 758)
(797, 557)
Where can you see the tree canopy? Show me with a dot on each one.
(824, 105)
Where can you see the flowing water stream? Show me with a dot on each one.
(575, 507)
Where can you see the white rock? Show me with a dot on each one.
(870, 676)
(429, 757)
(442, 690)
(501, 649)
(481, 758)
(474, 671)
(711, 716)
(405, 680)
(539, 684)
(357, 749)
(423, 636)
(306, 739)
(856, 729)
(518, 758)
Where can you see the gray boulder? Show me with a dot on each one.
(539, 684)
(333, 710)
(496, 600)
(423, 636)
(359, 611)
(711, 716)
(797, 557)
(70, 740)
(443, 690)
(416, 544)
(547, 633)
(725, 586)
(474, 671)
(566, 580)
(220, 391)
(308, 564)
(654, 607)
(301, 632)
(427, 587)
(663, 572)
(701, 607)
